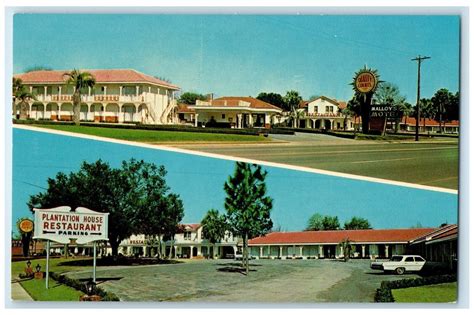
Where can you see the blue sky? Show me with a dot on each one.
(200, 181)
(243, 55)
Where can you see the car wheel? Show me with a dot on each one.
(400, 271)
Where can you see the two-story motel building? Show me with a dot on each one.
(119, 96)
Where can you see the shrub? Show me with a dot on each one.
(78, 285)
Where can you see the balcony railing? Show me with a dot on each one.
(94, 98)
(323, 115)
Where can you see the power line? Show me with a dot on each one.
(419, 59)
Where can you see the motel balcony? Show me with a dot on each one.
(144, 97)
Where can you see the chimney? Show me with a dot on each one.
(210, 97)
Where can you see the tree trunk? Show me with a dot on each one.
(24, 109)
(114, 246)
(77, 107)
(246, 254)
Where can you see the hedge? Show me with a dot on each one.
(78, 285)
(384, 293)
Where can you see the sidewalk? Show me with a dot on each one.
(19, 294)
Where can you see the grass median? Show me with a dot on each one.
(155, 136)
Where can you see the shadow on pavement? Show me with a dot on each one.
(234, 269)
(237, 264)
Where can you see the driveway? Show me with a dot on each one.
(270, 281)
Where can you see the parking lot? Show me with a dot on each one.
(270, 281)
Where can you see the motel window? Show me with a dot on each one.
(187, 235)
(223, 116)
(327, 109)
(129, 90)
(102, 88)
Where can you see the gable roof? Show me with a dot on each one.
(340, 104)
(100, 75)
(335, 237)
(232, 101)
(189, 227)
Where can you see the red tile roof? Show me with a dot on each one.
(190, 226)
(185, 108)
(232, 101)
(101, 76)
(446, 231)
(428, 122)
(335, 237)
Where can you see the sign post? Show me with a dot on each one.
(47, 264)
(94, 267)
(63, 225)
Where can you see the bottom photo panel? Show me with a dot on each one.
(105, 220)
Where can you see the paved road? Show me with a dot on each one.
(432, 163)
(270, 281)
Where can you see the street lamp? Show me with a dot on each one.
(90, 287)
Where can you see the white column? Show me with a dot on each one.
(363, 251)
(281, 251)
(321, 252)
(239, 116)
(31, 89)
(45, 91)
(137, 88)
(250, 120)
(196, 120)
(191, 252)
(175, 251)
(105, 90)
(386, 251)
(89, 91)
(301, 251)
(341, 249)
(261, 252)
(60, 92)
(121, 115)
(199, 250)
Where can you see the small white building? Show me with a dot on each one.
(236, 112)
(119, 96)
(324, 113)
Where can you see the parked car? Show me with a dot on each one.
(400, 264)
(240, 256)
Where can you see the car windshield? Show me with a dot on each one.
(396, 258)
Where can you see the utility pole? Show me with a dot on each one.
(419, 59)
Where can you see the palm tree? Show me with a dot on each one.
(346, 248)
(23, 95)
(80, 81)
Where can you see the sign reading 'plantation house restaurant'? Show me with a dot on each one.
(61, 225)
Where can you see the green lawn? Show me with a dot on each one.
(19, 266)
(155, 136)
(37, 288)
(437, 293)
(56, 292)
